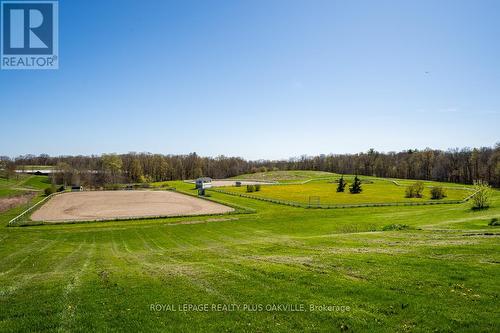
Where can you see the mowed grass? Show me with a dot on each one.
(36, 167)
(295, 176)
(37, 182)
(374, 191)
(441, 274)
(22, 183)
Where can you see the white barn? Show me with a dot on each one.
(203, 182)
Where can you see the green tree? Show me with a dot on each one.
(415, 190)
(136, 172)
(355, 188)
(10, 170)
(64, 173)
(482, 196)
(113, 164)
(342, 184)
(437, 192)
(50, 190)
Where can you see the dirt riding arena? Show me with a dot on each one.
(108, 205)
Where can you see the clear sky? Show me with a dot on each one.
(260, 79)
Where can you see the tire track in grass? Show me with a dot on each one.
(67, 259)
(159, 247)
(113, 244)
(24, 280)
(169, 235)
(186, 271)
(22, 251)
(437, 225)
(68, 311)
(214, 248)
(173, 267)
(22, 261)
(147, 246)
(26, 277)
(121, 254)
(182, 236)
(125, 246)
(213, 239)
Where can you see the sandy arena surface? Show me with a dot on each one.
(106, 205)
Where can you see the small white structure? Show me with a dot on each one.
(203, 183)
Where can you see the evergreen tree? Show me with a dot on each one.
(356, 186)
(342, 184)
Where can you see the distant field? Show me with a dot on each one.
(286, 176)
(22, 183)
(398, 269)
(36, 167)
(5, 192)
(374, 191)
(6, 187)
(37, 182)
(18, 192)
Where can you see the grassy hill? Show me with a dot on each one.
(22, 183)
(405, 269)
(285, 176)
(374, 191)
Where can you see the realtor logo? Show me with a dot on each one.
(30, 34)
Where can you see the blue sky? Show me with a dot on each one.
(260, 79)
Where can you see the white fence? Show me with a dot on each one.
(29, 210)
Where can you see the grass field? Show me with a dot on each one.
(36, 167)
(295, 176)
(374, 191)
(22, 184)
(440, 274)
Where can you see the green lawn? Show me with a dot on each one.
(7, 183)
(374, 191)
(286, 176)
(36, 167)
(21, 184)
(37, 182)
(440, 275)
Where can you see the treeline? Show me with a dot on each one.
(95, 171)
(454, 165)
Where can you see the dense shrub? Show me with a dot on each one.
(415, 190)
(494, 222)
(49, 190)
(61, 189)
(437, 192)
(482, 196)
(391, 227)
(257, 187)
(250, 188)
(114, 187)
